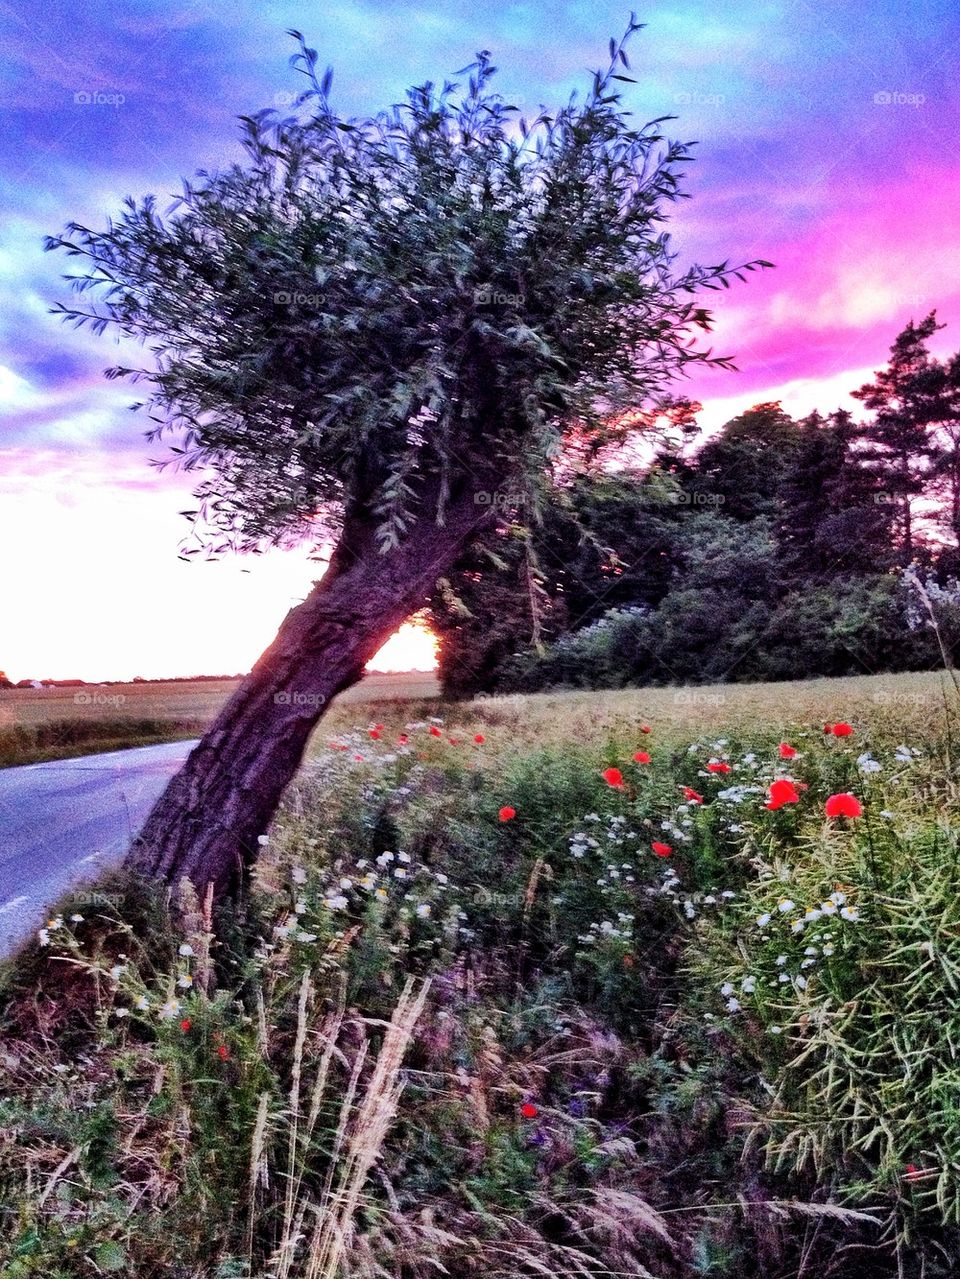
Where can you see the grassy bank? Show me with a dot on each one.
(492, 1009)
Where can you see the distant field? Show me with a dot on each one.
(905, 703)
(59, 723)
(37, 724)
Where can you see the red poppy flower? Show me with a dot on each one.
(402, 739)
(434, 731)
(661, 850)
(641, 757)
(828, 728)
(843, 805)
(718, 766)
(613, 777)
(185, 1024)
(374, 733)
(529, 1110)
(358, 758)
(507, 814)
(692, 796)
(453, 740)
(223, 1052)
(645, 728)
(787, 751)
(479, 738)
(783, 791)
(842, 730)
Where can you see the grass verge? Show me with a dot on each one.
(494, 1009)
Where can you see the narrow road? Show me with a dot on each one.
(64, 821)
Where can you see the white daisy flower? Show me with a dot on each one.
(186, 950)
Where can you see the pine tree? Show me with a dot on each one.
(834, 518)
(907, 398)
(946, 478)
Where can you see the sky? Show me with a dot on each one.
(827, 143)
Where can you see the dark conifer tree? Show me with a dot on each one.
(907, 398)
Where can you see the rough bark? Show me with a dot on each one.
(206, 824)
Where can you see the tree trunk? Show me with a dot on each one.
(206, 824)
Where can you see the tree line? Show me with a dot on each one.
(775, 549)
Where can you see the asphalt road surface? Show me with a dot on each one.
(65, 821)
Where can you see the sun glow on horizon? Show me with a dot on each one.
(412, 648)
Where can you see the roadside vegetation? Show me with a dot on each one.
(66, 739)
(651, 983)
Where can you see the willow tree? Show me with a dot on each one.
(374, 333)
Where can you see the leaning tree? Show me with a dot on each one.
(374, 333)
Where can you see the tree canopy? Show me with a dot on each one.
(772, 549)
(369, 308)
